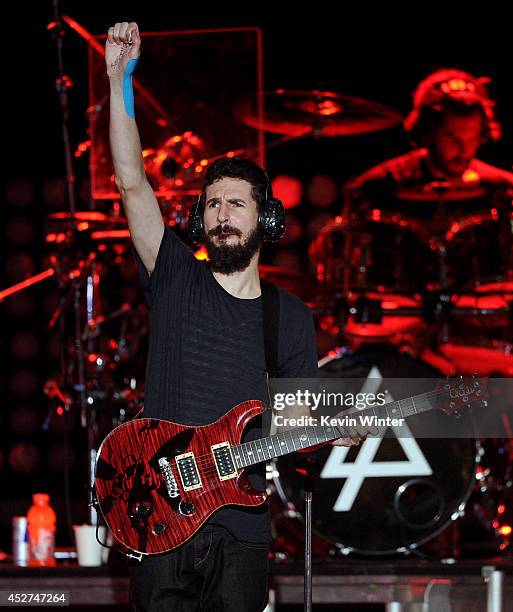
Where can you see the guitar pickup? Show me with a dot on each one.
(223, 459)
(188, 471)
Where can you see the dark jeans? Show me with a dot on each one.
(213, 571)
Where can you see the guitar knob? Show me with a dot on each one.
(142, 509)
(186, 507)
(159, 528)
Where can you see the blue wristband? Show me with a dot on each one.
(128, 90)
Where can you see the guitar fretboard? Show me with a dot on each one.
(264, 449)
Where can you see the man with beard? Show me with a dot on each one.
(452, 116)
(440, 181)
(206, 351)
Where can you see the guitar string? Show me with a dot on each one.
(207, 458)
(206, 466)
(209, 473)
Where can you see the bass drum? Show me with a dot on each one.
(388, 495)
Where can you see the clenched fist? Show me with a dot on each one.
(123, 44)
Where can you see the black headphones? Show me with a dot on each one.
(271, 218)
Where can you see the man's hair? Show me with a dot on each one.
(242, 169)
(454, 91)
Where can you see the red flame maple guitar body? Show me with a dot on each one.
(157, 482)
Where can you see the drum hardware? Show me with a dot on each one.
(492, 500)
(63, 83)
(467, 294)
(367, 310)
(82, 253)
(151, 105)
(442, 191)
(85, 230)
(315, 113)
(92, 329)
(349, 253)
(438, 310)
(86, 218)
(371, 253)
(178, 165)
(402, 506)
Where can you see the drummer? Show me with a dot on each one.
(452, 116)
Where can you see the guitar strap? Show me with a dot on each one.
(271, 329)
(271, 324)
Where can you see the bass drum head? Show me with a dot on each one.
(389, 494)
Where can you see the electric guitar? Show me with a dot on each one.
(157, 482)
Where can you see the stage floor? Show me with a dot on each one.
(414, 585)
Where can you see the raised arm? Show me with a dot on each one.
(122, 51)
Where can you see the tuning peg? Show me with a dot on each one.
(474, 376)
(484, 403)
(457, 413)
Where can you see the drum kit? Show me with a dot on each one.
(417, 287)
(391, 292)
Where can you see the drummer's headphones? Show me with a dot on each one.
(441, 89)
(271, 214)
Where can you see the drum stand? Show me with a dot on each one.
(63, 83)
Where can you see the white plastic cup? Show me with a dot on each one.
(89, 551)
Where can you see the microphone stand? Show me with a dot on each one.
(308, 467)
(63, 84)
(308, 543)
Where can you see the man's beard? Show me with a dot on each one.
(228, 258)
(451, 169)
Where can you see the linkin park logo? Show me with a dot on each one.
(364, 465)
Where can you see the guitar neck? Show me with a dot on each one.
(299, 438)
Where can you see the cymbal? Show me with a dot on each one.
(89, 216)
(446, 191)
(101, 236)
(321, 113)
(358, 226)
(92, 224)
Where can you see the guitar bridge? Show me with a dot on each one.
(188, 471)
(223, 459)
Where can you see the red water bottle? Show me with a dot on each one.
(41, 530)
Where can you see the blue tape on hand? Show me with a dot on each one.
(128, 90)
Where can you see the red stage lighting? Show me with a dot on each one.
(288, 189)
(24, 420)
(19, 192)
(24, 346)
(24, 384)
(24, 458)
(322, 191)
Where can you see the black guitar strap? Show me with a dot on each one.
(271, 329)
(271, 324)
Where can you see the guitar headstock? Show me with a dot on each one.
(459, 392)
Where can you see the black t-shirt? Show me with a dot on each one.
(206, 355)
